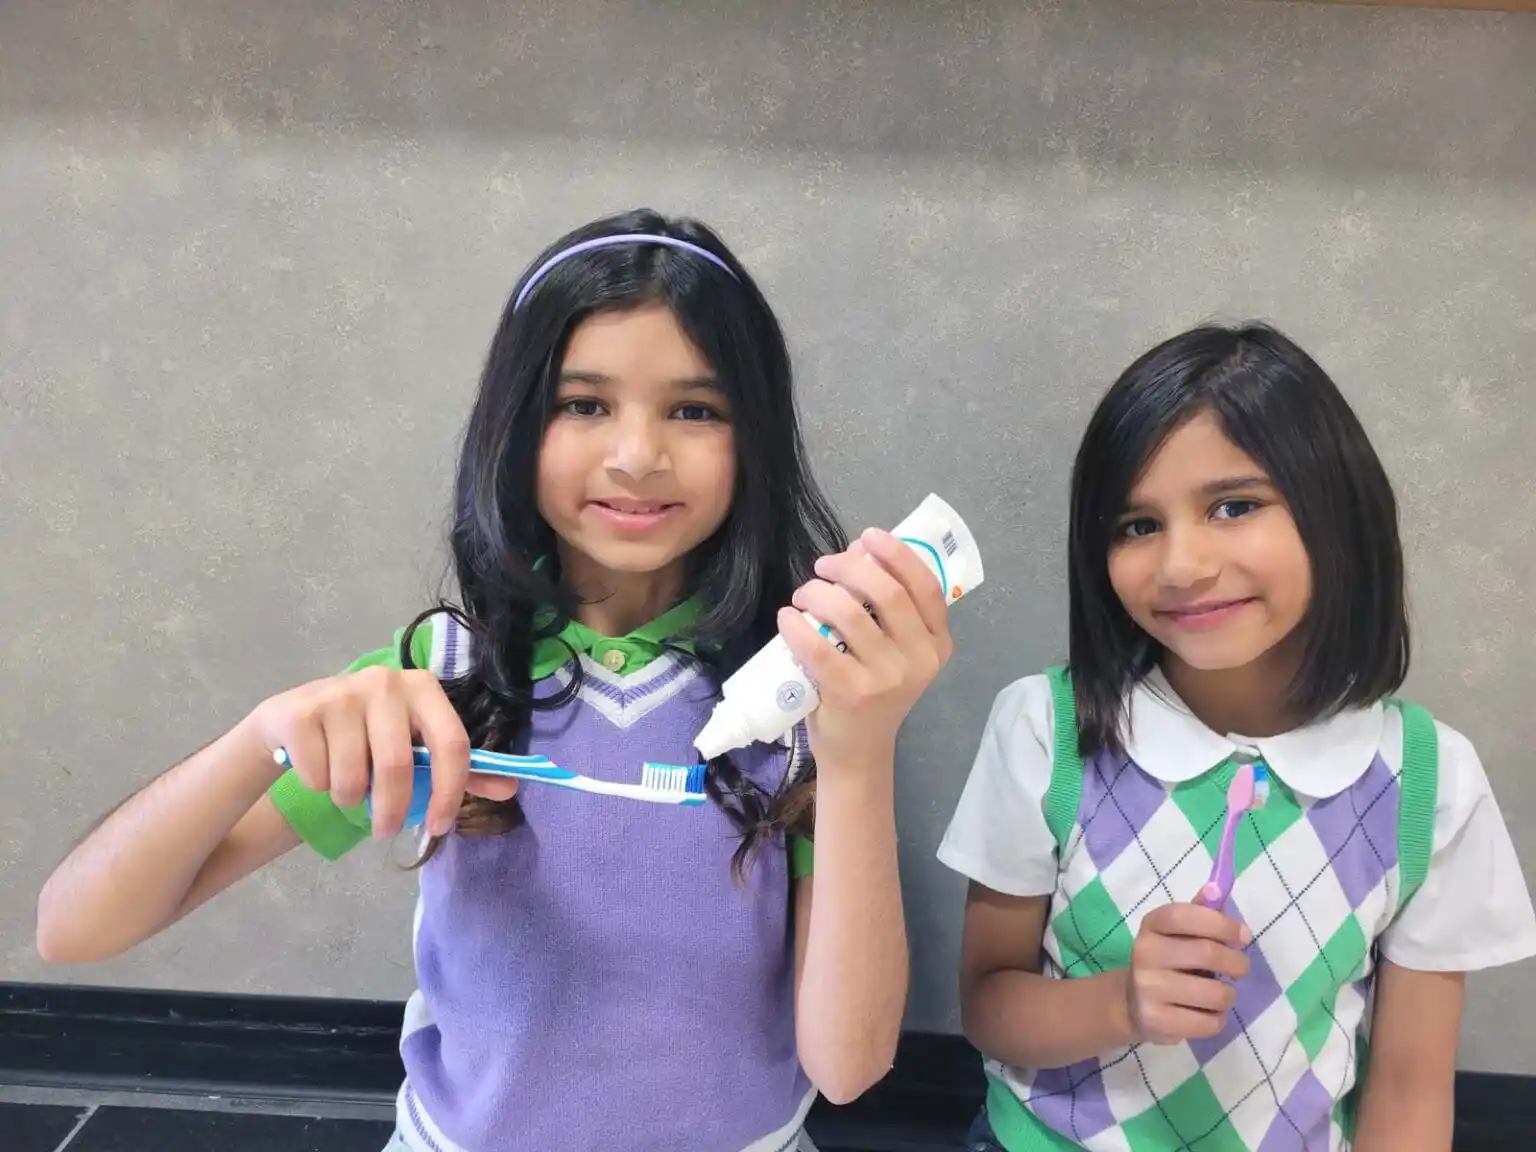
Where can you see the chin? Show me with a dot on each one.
(1206, 663)
(1215, 657)
(636, 559)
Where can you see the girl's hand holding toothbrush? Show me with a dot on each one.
(352, 736)
(890, 611)
(1172, 988)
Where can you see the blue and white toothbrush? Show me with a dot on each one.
(659, 783)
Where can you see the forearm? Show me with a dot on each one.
(128, 878)
(1029, 1021)
(1396, 1116)
(853, 983)
(1409, 1098)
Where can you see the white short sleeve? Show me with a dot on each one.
(1473, 910)
(999, 837)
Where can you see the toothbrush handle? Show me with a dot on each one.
(504, 764)
(488, 763)
(537, 768)
(1219, 886)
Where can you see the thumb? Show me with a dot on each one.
(495, 788)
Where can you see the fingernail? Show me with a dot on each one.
(1246, 936)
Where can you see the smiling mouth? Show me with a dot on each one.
(636, 507)
(1204, 611)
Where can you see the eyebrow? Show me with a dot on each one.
(1234, 484)
(679, 383)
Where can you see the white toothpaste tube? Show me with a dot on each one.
(772, 692)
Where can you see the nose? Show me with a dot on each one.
(1188, 556)
(637, 448)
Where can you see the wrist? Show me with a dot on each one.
(1119, 1020)
(864, 779)
(852, 753)
(246, 747)
(857, 804)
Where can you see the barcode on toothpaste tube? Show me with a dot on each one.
(950, 544)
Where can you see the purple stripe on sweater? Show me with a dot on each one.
(626, 693)
(1072, 1100)
(1118, 800)
(1255, 993)
(413, 1110)
(1358, 830)
(1304, 1122)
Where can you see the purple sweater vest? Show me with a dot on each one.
(596, 979)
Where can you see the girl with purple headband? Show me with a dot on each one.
(633, 516)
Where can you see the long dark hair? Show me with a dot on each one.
(1277, 404)
(779, 521)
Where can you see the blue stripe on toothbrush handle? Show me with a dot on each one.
(489, 763)
(532, 768)
(504, 764)
(421, 798)
(421, 790)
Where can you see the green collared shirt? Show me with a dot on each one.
(621, 655)
(332, 831)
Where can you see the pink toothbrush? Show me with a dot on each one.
(1248, 792)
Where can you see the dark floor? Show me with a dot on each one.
(121, 1128)
(124, 1070)
(50, 1128)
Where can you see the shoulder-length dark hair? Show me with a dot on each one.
(779, 521)
(1278, 405)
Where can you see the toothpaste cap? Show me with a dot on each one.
(722, 732)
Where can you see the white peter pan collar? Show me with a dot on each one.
(1169, 742)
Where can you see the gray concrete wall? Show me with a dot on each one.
(250, 256)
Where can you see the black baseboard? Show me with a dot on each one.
(128, 1040)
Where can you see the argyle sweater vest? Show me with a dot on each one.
(1317, 883)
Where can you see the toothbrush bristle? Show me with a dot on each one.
(1260, 785)
(658, 777)
(674, 778)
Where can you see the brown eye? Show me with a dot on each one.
(1232, 509)
(581, 406)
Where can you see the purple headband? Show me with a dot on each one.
(612, 241)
